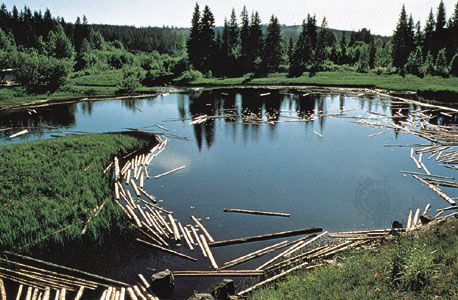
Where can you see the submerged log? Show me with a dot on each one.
(257, 212)
(219, 273)
(166, 250)
(263, 237)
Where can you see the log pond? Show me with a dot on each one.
(300, 152)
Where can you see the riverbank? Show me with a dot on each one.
(104, 86)
(50, 189)
(421, 265)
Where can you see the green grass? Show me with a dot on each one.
(423, 266)
(49, 188)
(429, 86)
(80, 85)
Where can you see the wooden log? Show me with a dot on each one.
(219, 273)
(169, 172)
(117, 172)
(142, 180)
(98, 277)
(38, 279)
(134, 216)
(134, 186)
(257, 212)
(426, 175)
(57, 296)
(2, 290)
(122, 295)
(188, 242)
(166, 250)
(144, 281)
(318, 134)
(138, 292)
(304, 244)
(19, 292)
(253, 255)
(273, 278)
(152, 198)
(22, 132)
(131, 293)
(117, 295)
(80, 293)
(188, 233)
(47, 294)
(208, 251)
(409, 221)
(204, 230)
(28, 295)
(436, 190)
(162, 220)
(35, 294)
(416, 218)
(176, 233)
(63, 293)
(263, 237)
(199, 242)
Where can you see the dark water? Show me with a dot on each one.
(344, 181)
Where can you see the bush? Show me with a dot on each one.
(414, 63)
(454, 66)
(441, 64)
(189, 76)
(119, 58)
(130, 81)
(39, 73)
(428, 67)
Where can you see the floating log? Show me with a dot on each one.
(169, 172)
(144, 281)
(208, 251)
(264, 94)
(131, 293)
(427, 175)
(22, 132)
(19, 293)
(436, 190)
(257, 212)
(304, 244)
(151, 198)
(188, 242)
(204, 230)
(265, 237)
(134, 186)
(176, 233)
(2, 290)
(427, 208)
(104, 279)
(253, 255)
(80, 293)
(276, 277)
(219, 273)
(166, 250)
(117, 172)
(318, 134)
(409, 221)
(199, 242)
(416, 218)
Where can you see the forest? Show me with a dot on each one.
(50, 56)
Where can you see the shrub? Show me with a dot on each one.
(454, 66)
(428, 67)
(130, 81)
(39, 73)
(441, 64)
(414, 63)
(189, 76)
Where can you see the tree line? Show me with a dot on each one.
(245, 46)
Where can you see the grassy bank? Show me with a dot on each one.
(50, 188)
(422, 266)
(80, 85)
(431, 87)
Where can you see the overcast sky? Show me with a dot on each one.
(378, 15)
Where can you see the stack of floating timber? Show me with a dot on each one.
(38, 279)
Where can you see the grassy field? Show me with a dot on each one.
(80, 85)
(49, 188)
(428, 86)
(423, 266)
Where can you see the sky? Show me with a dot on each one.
(378, 15)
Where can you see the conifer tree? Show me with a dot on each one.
(429, 33)
(454, 66)
(439, 38)
(207, 40)
(343, 49)
(194, 35)
(244, 40)
(441, 64)
(402, 40)
(372, 52)
(255, 41)
(415, 62)
(272, 57)
(320, 51)
(59, 45)
(428, 66)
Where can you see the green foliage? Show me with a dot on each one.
(414, 63)
(403, 40)
(454, 66)
(272, 55)
(130, 80)
(427, 269)
(363, 64)
(59, 45)
(54, 187)
(39, 73)
(441, 64)
(429, 67)
(189, 76)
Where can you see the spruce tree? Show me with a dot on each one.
(272, 52)
(233, 32)
(244, 40)
(418, 39)
(59, 45)
(207, 40)
(343, 58)
(428, 66)
(372, 54)
(415, 62)
(255, 42)
(454, 66)
(454, 31)
(429, 33)
(439, 39)
(402, 40)
(320, 51)
(194, 37)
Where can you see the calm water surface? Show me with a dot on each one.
(343, 181)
